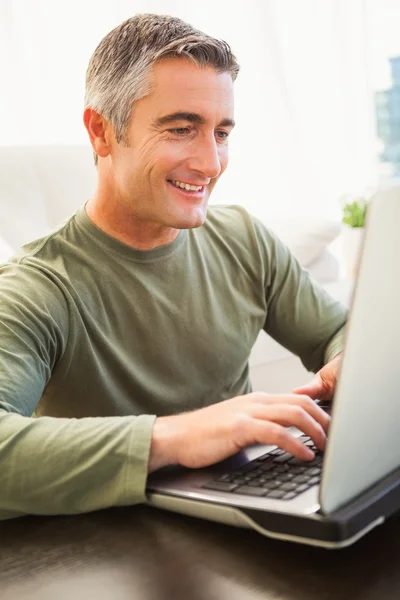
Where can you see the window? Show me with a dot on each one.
(383, 41)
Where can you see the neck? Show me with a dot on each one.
(113, 218)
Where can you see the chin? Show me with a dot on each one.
(187, 217)
(194, 220)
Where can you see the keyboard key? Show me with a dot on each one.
(302, 488)
(297, 470)
(269, 475)
(314, 480)
(267, 466)
(289, 496)
(249, 490)
(296, 461)
(258, 471)
(301, 478)
(225, 477)
(263, 457)
(289, 486)
(220, 486)
(281, 468)
(260, 480)
(314, 471)
(272, 485)
(276, 452)
(255, 483)
(277, 494)
(286, 476)
(283, 458)
(247, 468)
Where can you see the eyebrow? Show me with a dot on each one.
(191, 117)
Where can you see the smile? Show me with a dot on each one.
(186, 186)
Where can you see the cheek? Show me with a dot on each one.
(147, 157)
(224, 159)
(166, 158)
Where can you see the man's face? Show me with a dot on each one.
(177, 138)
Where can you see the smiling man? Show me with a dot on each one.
(176, 149)
(128, 329)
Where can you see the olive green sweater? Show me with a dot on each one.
(98, 338)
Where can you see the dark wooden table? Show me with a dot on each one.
(144, 553)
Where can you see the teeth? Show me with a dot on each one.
(187, 186)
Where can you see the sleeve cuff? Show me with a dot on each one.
(335, 346)
(137, 462)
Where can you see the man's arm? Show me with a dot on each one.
(64, 466)
(50, 465)
(301, 315)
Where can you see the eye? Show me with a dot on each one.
(180, 130)
(222, 135)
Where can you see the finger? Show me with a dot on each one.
(301, 400)
(292, 415)
(268, 432)
(314, 388)
(321, 387)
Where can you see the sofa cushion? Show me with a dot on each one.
(41, 186)
(306, 238)
(68, 178)
(23, 213)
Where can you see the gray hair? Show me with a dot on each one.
(119, 71)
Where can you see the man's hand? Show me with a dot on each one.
(203, 437)
(323, 384)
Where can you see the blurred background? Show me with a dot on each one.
(317, 99)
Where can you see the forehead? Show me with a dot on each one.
(179, 85)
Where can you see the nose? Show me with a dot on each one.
(205, 157)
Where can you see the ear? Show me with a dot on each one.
(99, 130)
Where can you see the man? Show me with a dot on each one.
(127, 330)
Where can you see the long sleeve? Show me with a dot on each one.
(54, 465)
(64, 466)
(335, 345)
(301, 315)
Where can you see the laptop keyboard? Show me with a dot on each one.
(277, 474)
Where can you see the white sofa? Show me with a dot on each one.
(42, 185)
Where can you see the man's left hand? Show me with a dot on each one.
(322, 386)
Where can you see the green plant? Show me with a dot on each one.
(354, 212)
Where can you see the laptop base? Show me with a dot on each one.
(335, 531)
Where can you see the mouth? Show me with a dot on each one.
(187, 188)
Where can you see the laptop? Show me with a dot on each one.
(355, 485)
